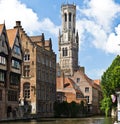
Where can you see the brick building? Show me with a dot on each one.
(10, 72)
(38, 81)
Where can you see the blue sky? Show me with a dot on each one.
(98, 24)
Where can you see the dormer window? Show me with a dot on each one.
(17, 49)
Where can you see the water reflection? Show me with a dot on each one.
(95, 120)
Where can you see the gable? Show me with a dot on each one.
(4, 44)
(16, 50)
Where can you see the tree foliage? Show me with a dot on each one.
(65, 109)
(110, 81)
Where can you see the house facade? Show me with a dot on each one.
(10, 72)
(38, 81)
(90, 89)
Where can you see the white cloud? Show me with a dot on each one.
(47, 25)
(96, 18)
(113, 42)
(102, 11)
(14, 10)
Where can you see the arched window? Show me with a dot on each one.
(27, 55)
(70, 17)
(65, 17)
(26, 90)
(66, 51)
(73, 18)
(63, 54)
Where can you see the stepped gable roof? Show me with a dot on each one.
(1, 27)
(11, 33)
(38, 38)
(48, 42)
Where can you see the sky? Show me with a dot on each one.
(97, 22)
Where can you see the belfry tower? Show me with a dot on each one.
(68, 40)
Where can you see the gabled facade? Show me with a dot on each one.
(38, 82)
(4, 60)
(67, 90)
(10, 72)
(91, 91)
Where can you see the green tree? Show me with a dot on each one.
(110, 81)
(65, 109)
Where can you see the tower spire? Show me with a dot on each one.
(68, 43)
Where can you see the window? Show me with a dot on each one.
(2, 60)
(65, 17)
(79, 95)
(64, 51)
(12, 95)
(0, 95)
(87, 98)
(26, 57)
(73, 18)
(86, 89)
(16, 64)
(78, 80)
(70, 17)
(26, 71)
(2, 76)
(26, 90)
(15, 79)
(17, 49)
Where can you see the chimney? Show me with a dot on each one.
(18, 24)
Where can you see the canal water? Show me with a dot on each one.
(92, 120)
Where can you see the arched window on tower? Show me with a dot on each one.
(73, 18)
(65, 17)
(70, 17)
(66, 51)
(63, 54)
